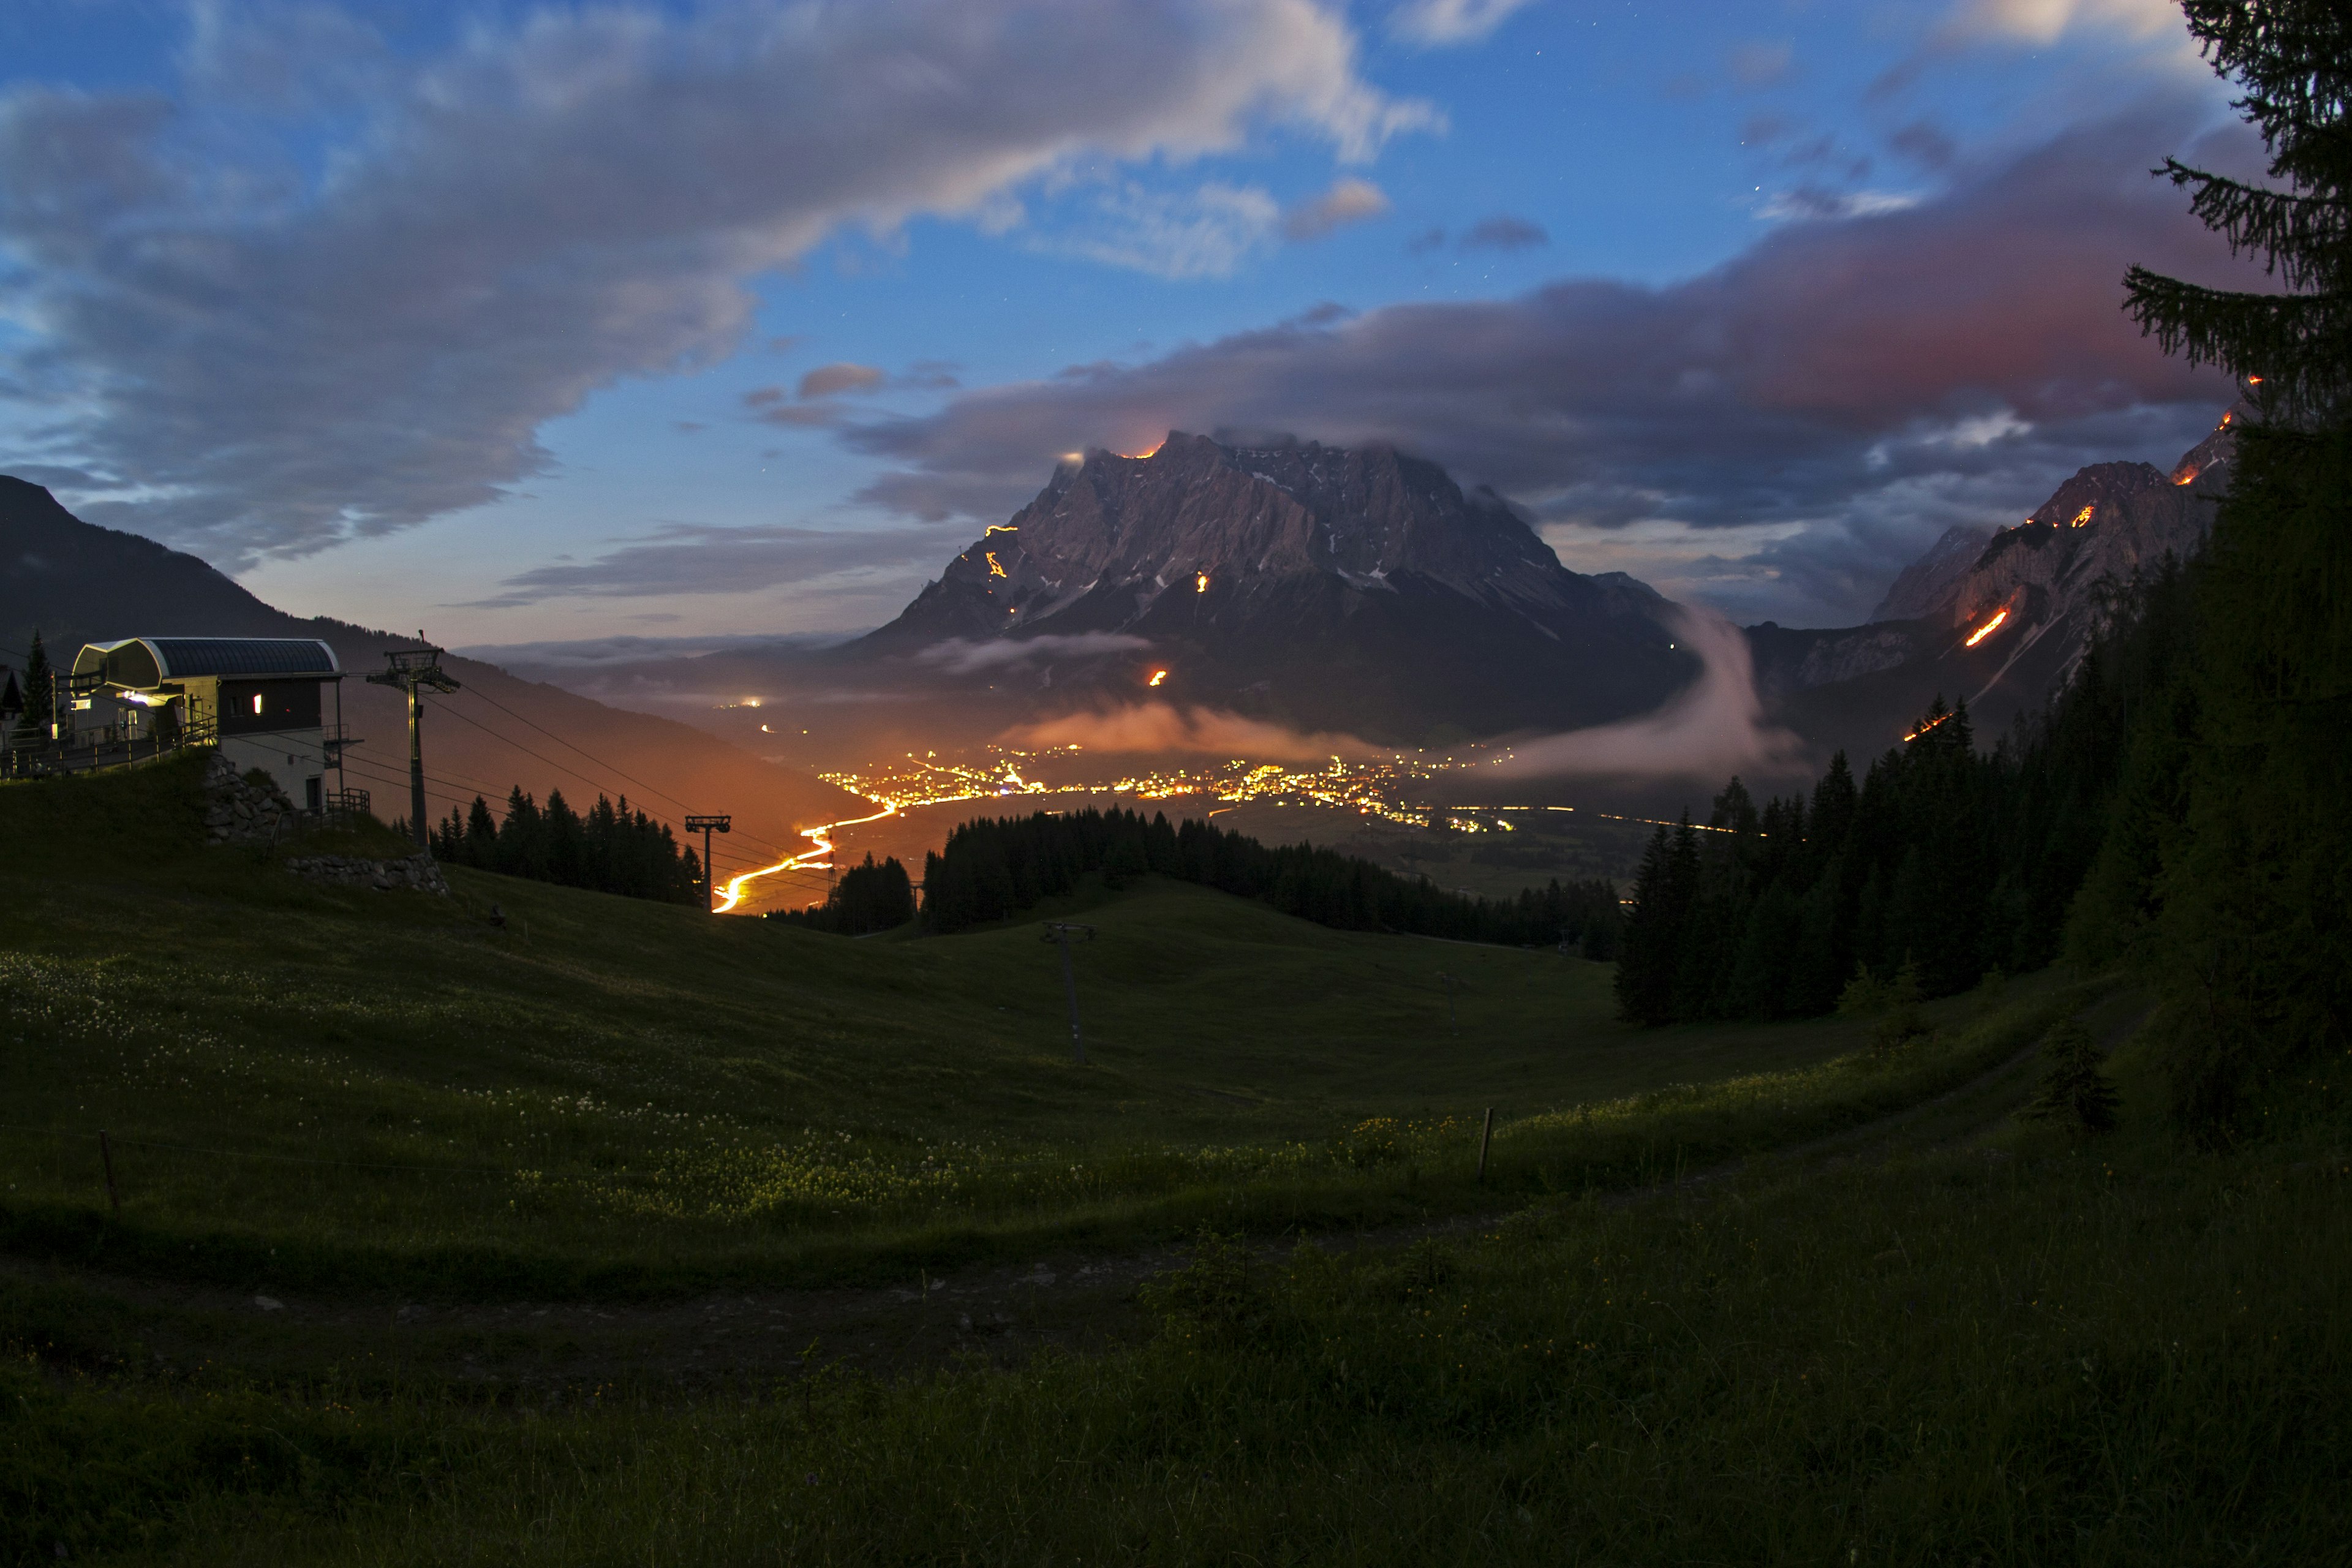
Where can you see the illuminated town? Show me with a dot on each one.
(1406, 788)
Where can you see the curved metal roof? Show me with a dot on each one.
(181, 658)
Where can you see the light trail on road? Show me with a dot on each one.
(821, 844)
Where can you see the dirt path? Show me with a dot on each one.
(560, 1351)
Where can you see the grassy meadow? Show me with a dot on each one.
(1908, 1331)
(326, 1084)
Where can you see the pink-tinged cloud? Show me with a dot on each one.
(1204, 732)
(1830, 374)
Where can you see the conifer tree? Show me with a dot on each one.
(2252, 933)
(2293, 58)
(2074, 1091)
(40, 693)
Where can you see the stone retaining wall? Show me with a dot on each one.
(415, 872)
(239, 812)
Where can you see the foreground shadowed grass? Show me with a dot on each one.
(2048, 1354)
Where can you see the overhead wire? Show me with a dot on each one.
(597, 784)
(600, 762)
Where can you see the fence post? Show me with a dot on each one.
(1484, 1138)
(106, 1157)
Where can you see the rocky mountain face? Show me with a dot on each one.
(2005, 624)
(1353, 590)
(1927, 581)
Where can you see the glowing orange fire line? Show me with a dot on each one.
(1987, 630)
(819, 837)
(1924, 728)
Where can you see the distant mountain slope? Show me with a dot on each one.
(1924, 583)
(2030, 598)
(1331, 589)
(77, 582)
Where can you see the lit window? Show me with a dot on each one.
(257, 703)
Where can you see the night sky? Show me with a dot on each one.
(525, 322)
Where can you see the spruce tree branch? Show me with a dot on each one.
(2302, 237)
(2300, 344)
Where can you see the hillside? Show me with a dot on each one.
(514, 1265)
(2002, 619)
(678, 1063)
(75, 583)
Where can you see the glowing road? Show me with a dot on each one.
(814, 858)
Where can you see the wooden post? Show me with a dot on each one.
(1485, 1138)
(106, 1157)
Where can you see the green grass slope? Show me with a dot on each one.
(304, 1084)
(1908, 1340)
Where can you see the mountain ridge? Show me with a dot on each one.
(76, 582)
(1357, 590)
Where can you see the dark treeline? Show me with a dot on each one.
(1943, 858)
(2183, 810)
(868, 897)
(609, 848)
(993, 868)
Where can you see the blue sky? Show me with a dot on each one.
(526, 322)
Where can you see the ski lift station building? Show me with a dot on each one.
(263, 697)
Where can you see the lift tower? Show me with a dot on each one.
(415, 671)
(719, 822)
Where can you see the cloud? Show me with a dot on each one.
(1348, 200)
(1159, 727)
(1815, 379)
(828, 380)
(2046, 21)
(599, 653)
(1503, 232)
(959, 656)
(1433, 23)
(296, 326)
(694, 558)
(1715, 727)
(1809, 203)
(1925, 144)
(1761, 64)
(1206, 232)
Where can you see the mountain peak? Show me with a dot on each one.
(1283, 552)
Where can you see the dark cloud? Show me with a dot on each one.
(1926, 145)
(1857, 377)
(695, 558)
(1504, 232)
(1347, 200)
(830, 380)
(1427, 240)
(365, 322)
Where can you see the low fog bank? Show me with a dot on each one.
(1710, 731)
(1152, 728)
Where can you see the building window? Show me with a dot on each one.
(257, 703)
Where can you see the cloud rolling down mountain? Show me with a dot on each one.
(75, 583)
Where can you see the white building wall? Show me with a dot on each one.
(297, 759)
